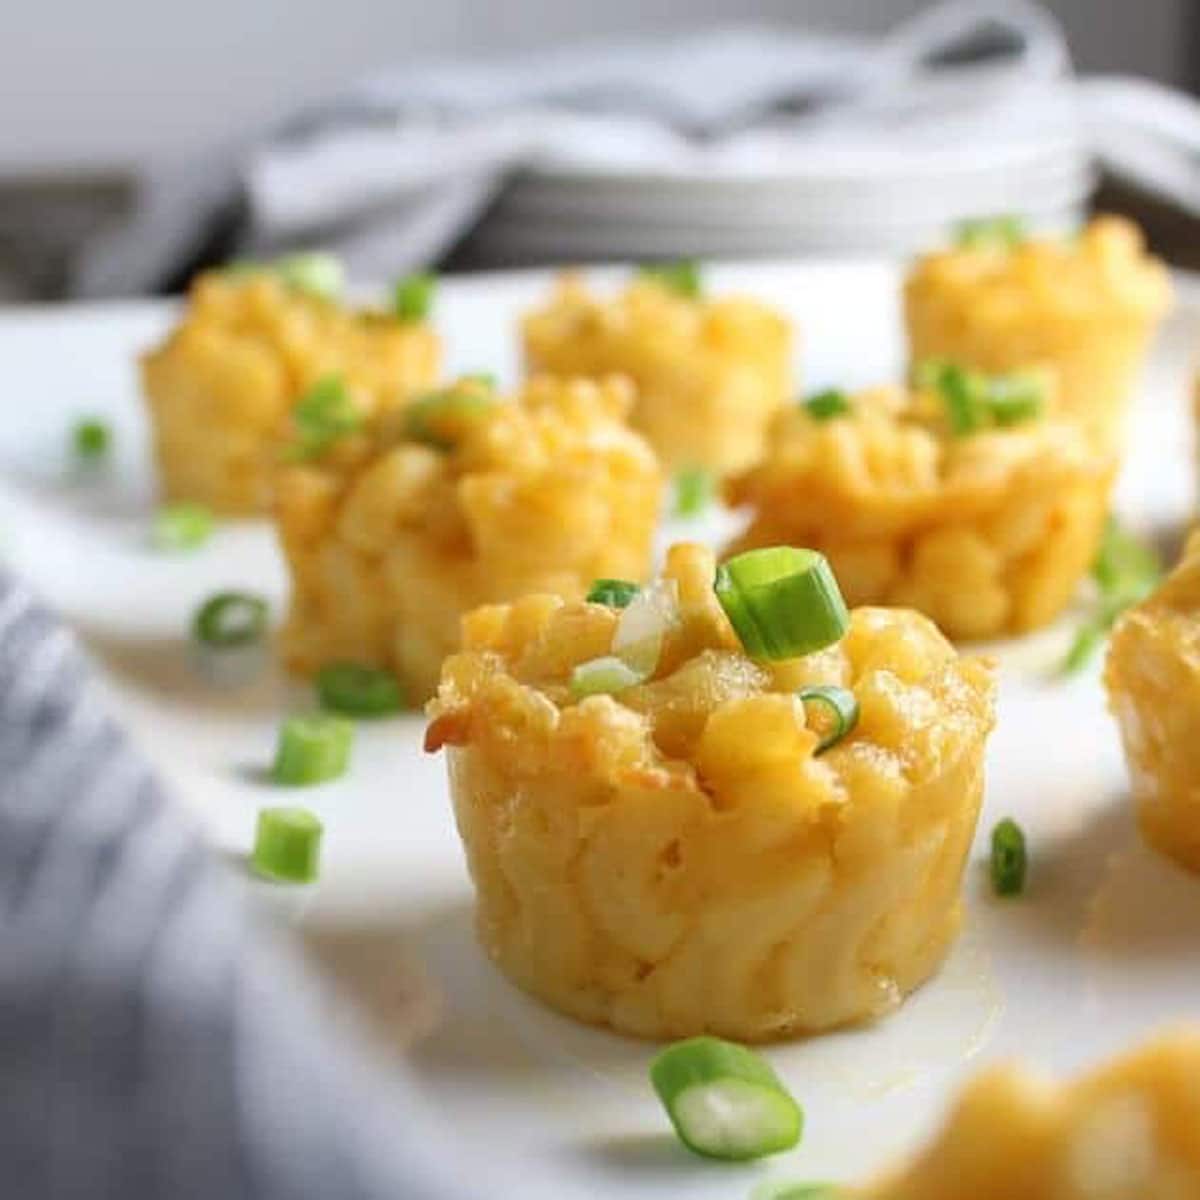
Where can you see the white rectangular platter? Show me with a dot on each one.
(1104, 947)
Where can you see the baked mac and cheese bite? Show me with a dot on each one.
(1128, 1131)
(391, 532)
(717, 803)
(963, 497)
(709, 372)
(1153, 679)
(1085, 307)
(250, 345)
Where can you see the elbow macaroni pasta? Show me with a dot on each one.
(675, 859)
(1085, 309)
(221, 387)
(709, 373)
(987, 534)
(390, 540)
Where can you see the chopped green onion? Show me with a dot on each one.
(485, 379)
(608, 674)
(840, 708)
(440, 418)
(315, 274)
(990, 233)
(1009, 861)
(412, 299)
(323, 414)
(782, 601)
(230, 619)
(974, 401)
(822, 406)
(91, 439)
(1126, 571)
(782, 1189)
(961, 395)
(1086, 643)
(694, 490)
(682, 276)
(183, 526)
(1012, 399)
(312, 750)
(358, 691)
(1124, 564)
(724, 1100)
(616, 593)
(287, 844)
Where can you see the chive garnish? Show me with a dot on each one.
(824, 405)
(682, 276)
(782, 601)
(412, 297)
(839, 712)
(724, 1100)
(616, 593)
(287, 844)
(312, 750)
(355, 690)
(1009, 861)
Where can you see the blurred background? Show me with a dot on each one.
(144, 139)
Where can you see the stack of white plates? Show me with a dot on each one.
(849, 188)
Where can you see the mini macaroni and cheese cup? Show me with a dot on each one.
(709, 373)
(251, 344)
(1083, 307)
(461, 498)
(1127, 1131)
(670, 837)
(962, 498)
(1153, 680)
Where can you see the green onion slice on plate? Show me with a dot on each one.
(616, 593)
(91, 439)
(724, 1100)
(783, 601)
(412, 297)
(287, 844)
(838, 711)
(323, 415)
(682, 276)
(312, 749)
(355, 690)
(823, 406)
(784, 1189)
(315, 274)
(230, 619)
(182, 526)
(1009, 860)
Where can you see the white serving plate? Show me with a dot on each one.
(1104, 947)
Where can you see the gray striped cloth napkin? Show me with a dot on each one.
(155, 1042)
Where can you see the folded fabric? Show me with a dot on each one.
(157, 1043)
(393, 171)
